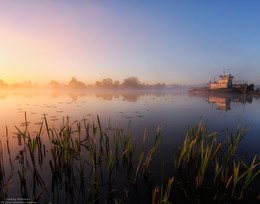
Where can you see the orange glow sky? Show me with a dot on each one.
(156, 41)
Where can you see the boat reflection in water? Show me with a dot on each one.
(224, 103)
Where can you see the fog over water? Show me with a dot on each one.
(131, 111)
(174, 110)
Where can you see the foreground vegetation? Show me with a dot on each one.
(85, 163)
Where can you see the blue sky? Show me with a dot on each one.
(183, 42)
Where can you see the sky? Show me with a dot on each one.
(168, 41)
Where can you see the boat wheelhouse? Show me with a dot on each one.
(224, 82)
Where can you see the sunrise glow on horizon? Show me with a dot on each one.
(181, 42)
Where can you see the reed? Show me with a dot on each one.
(159, 195)
(250, 176)
(83, 157)
(2, 172)
(141, 155)
(157, 140)
(206, 156)
(3, 181)
(201, 153)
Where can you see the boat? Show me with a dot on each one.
(225, 86)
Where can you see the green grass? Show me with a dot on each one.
(86, 162)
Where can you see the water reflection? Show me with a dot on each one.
(224, 103)
(175, 111)
(76, 94)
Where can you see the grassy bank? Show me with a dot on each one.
(82, 162)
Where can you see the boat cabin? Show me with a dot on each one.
(224, 82)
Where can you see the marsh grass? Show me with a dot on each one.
(2, 172)
(202, 155)
(159, 195)
(87, 163)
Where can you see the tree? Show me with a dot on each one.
(116, 84)
(2, 84)
(131, 82)
(107, 83)
(74, 83)
(55, 84)
(98, 84)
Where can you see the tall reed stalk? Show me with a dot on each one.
(84, 157)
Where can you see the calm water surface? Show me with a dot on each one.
(173, 111)
(146, 110)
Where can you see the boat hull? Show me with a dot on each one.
(221, 90)
(225, 92)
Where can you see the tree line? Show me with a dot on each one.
(106, 83)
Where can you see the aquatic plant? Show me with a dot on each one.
(87, 163)
(200, 155)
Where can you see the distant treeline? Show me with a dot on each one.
(25, 84)
(107, 83)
